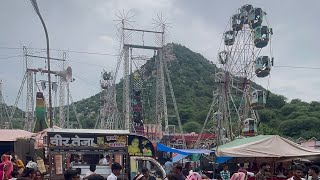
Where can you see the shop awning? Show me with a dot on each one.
(265, 146)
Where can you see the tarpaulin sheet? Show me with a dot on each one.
(164, 148)
(264, 146)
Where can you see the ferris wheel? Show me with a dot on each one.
(244, 56)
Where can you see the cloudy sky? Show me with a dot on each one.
(89, 26)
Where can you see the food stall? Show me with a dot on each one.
(80, 148)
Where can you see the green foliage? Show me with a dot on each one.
(301, 126)
(192, 126)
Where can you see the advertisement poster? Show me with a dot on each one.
(118, 158)
(140, 146)
(58, 164)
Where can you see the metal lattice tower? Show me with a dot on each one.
(29, 111)
(161, 99)
(109, 115)
(62, 96)
(64, 77)
(134, 83)
(126, 89)
(4, 113)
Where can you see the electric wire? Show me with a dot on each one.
(70, 51)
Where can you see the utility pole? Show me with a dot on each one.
(35, 6)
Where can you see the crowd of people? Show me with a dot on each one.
(178, 172)
(92, 175)
(296, 172)
(12, 167)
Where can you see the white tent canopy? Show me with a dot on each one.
(272, 146)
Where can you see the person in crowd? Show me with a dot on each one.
(105, 160)
(268, 172)
(19, 162)
(225, 173)
(177, 170)
(31, 163)
(17, 165)
(96, 177)
(71, 175)
(91, 171)
(116, 169)
(204, 176)
(254, 168)
(171, 177)
(261, 175)
(194, 176)
(146, 174)
(280, 169)
(314, 173)
(3, 174)
(101, 158)
(297, 171)
(29, 173)
(242, 169)
(187, 169)
(14, 175)
(168, 166)
(6, 166)
(238, 176)
(38, 175)
(13, 161)
(76, 161)
(139, 176)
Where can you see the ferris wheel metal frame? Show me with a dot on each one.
(235, 101)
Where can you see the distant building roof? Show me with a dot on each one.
(14, 134)
(194, 137)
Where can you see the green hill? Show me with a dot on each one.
(192, 77)
(17, 118)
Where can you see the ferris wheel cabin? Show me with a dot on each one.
(236, 22)
(258, 99)
(261, 36)
(223, 57)
(249, 127)
(106, 77)
(255, 17)
(244, 12)
(263, 66)
(229, 38)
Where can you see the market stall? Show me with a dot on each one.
(79, 148)
(268, 146)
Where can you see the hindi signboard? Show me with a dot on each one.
(87, 141)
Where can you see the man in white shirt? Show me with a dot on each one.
(168, 166)
(115, 168)
(105, 160)
(31, 163)
(297, 173)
